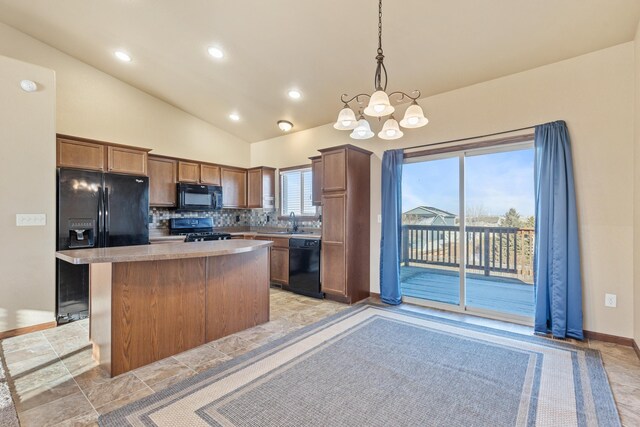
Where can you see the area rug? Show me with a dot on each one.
(8, 417)
(380, 366)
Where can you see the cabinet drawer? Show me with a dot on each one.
(80, 154)
(127, 160)
(278, 242)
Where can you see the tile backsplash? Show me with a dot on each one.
(228, 218)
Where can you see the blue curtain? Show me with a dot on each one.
(557, 254)
(391, 240)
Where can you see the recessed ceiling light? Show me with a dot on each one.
(294, 94)
(122, 56)
(285, 125)
(29, 85)
(215, 52)
(235, 117)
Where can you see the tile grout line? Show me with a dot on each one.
(74, 380)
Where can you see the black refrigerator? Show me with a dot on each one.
(95, 210)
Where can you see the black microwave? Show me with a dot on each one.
(198, 197)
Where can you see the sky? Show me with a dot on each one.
(494, 183)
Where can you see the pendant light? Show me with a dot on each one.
(380, 104)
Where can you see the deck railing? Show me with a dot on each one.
(503, 250)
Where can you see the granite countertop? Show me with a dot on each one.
(281, 235)
(161, 252)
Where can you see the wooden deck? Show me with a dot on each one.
(490, 293)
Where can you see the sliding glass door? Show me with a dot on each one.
(468, 231)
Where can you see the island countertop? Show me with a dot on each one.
(161, 252)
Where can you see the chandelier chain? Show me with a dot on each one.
(380, 27)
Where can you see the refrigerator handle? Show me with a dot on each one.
(107, 218)
(100, 224)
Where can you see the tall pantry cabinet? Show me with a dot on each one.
(345, 223)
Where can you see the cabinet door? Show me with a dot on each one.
(316, 185)
(254, 188)
(268, 188)
(210, 174)
(188, 172)
(334, 218)
(127, 160)
(334, 170)
(333, 268)
(79, 154)
(163, 174)
(280, 265)
(234, 188)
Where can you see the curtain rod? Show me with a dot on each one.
(470, 137)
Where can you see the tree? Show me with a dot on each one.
(512, 219)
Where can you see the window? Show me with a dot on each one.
(295, 192)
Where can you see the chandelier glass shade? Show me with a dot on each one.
(362, 130)
(379, 104)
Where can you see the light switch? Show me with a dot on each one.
(30, 220)
(379, 219)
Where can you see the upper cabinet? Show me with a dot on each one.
(163, 175)
(188, 172)
(210, 174)
(234, 187)
(198, 173)
(334, 170)
(316, 180)
(81, 153)
(261, 187)
(126, 160)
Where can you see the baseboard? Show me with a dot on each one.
(598, 336)
(27, 329)
(636, 348)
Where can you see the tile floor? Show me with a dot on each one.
(54, 380)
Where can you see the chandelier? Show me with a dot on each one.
(379, 104)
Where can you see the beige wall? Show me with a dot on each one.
(27, 185)
(95, 105)
(636, 228)
(594, 94)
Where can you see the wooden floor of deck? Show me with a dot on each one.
(499, 294)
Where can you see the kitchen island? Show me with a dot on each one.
(149, 302)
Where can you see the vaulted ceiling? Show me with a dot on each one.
(323, 48)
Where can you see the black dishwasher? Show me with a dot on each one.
(304, 267)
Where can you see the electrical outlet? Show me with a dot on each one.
(29, 220)
(610, 300)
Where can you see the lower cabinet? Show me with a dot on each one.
(280, 265)
(279, 259)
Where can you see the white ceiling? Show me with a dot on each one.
(324, 48)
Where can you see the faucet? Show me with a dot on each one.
(294, 220)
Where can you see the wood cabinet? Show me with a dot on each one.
(188, 172)
(345, 223)
(210, 174)
(279, 260)
(334, 170)
(261, 187)
(163, 176)
(80, 154)
(234, 188)
(126, 160)
(316, 180)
